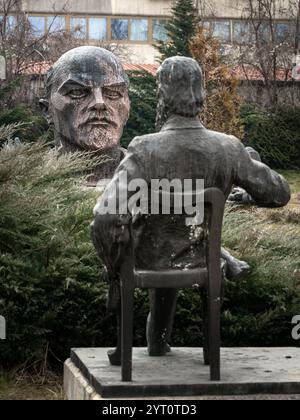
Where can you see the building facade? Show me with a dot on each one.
(138, 24)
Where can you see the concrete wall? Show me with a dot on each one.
(238, 8)
(75, 6)
(107, 7)
(141, 7)
(215, 8)
(141, 54)
(255, 92)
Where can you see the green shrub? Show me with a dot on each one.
(142, 95)
(51, 288)
(9, 88)
(275, 134)
(34, 125)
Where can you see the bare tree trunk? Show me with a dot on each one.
(297, 37)
(270, 51)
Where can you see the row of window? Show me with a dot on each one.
(149, 29)
(99, 28)
(243, 32)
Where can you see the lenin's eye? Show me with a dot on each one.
(78, 93)
(112, 93)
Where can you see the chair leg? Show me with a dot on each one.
(127, 297)
(205, 327)
(115, 355)
(214, 336)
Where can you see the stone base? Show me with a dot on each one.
(245, 371)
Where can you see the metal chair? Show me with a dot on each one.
(209, 278)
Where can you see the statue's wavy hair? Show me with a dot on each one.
(180, 89)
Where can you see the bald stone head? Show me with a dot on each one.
(87, 100)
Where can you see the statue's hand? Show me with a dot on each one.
(236, 195)
(239, 195)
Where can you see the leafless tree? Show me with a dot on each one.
(269, 49)
(297, 37)
(18, 43)
(21, 45)
(206, 8)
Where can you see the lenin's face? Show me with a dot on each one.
(89, 103)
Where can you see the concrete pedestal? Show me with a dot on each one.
(181, 373)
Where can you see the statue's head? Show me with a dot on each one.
(87, 99)
(180, 89)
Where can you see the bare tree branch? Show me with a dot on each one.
(270, 51)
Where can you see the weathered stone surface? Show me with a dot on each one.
(182, 373)
(87, 103)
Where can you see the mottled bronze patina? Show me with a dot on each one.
(88, 104)
(182, 149)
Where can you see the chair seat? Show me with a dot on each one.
(176, 279)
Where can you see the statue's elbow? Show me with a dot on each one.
(284, 194)
(283, 199)
(287, 198)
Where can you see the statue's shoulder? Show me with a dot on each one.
(225, 140)
(221, 136)
(141, 142)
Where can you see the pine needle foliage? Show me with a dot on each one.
(180, 30)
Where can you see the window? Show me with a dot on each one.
(97, 28)
(78, 27)
(263, 30)
(37, 24)
(56, 23)
(221, 30)
(10, 22)
(119, 29)
(139, 30)
(284, 32)
(242, 33)
(205, 24)
(159, 30)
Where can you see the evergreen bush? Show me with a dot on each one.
(50, 289)
(52, 292)
(142, 93)
(34, 125)
(275, 134)
(180, 30)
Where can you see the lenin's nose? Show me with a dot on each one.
(98, 102)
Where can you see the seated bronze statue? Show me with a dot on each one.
(181, 149)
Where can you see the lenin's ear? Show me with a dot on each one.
(44, 107)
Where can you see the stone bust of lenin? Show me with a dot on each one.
(88, 105)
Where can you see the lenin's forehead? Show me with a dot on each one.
(92, 66)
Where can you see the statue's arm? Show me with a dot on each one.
(110, 232)
(266, 187)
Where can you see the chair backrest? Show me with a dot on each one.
(162, 242)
